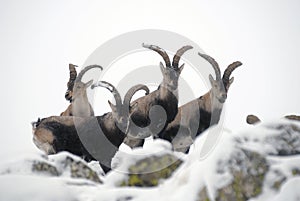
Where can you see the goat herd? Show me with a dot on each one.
(156, 114)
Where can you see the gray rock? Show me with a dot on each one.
(65, 164)
(45, 168)
(149, 171)
(286, 141)
(248, 170)
(80, 170)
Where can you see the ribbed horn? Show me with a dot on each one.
(160, 51)
(70, 84)
(178, 55)
(229, 70)
(73, 75)
(132, 91)
(214, 64)
(112, 89)
(79, 77)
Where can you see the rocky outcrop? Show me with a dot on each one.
(60, 165)
(151, 170)
(260, 163)
(248, 170)
(78, 169)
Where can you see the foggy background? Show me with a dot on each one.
(40, 38)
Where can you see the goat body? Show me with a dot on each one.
(192, 119)
(196, 116)
(102, 135)
(80, 136)
(166, 96)
(76, 93)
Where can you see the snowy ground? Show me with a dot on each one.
(19, 182)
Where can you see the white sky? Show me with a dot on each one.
(40, 38)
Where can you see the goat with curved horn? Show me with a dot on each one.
(80, 105)
(164, 98)
(196, 116)
(121, 109)
(101, 134)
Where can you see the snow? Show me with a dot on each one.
(289, 191)
(256, 38)
(21, 164)
(259, 138)
(200, 168)
(21, 187)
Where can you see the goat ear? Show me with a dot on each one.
(162, 68)
(89, 83)
(134, 105)
(180, 68)
(112, 106)
(211, 79)
(230, 82)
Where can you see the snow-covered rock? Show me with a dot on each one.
(60, 165)
(151, 170)
(257, 164)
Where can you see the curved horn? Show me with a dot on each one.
(70, 84)
(160, 51)
(79, 77)
(214, 64)
(112, 89)
(229, 70)
(178, 55)
(73, 75)
(132, 91)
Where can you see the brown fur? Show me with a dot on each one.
(198, 115)
(67, 112)
(76, 93)
(165, 96)
(192, 119)
(70, 112)
(44, 136)
(60, 133)
(80, 105)
(43, 139)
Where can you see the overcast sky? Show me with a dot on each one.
(40, 38)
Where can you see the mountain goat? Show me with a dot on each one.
(76, 93)
(102, 134)
(166, 96)
(196, 116)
